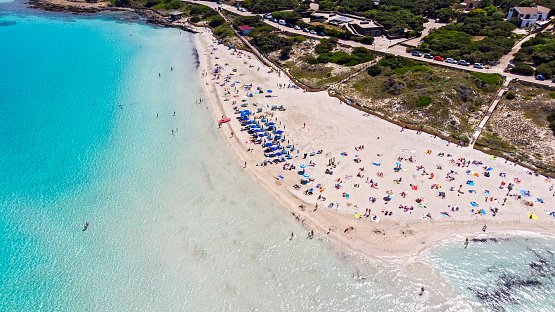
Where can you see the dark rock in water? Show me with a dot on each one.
(8, 23)
(505, 290)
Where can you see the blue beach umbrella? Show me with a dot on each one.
(269, 91)
(273, 148)
(303, 166)
(278, 154)
(271, 123)
(279, 131)
(306, 175)
(398, 164)
(268, 144)
(256, 130)
(260, 135)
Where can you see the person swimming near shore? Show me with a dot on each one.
(85, 226)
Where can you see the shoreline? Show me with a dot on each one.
(151, 16)
(422, 235)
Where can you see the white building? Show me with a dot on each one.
(528, 15)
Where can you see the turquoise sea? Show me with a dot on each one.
(175, 224)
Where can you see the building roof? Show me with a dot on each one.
(343, 19)
(175, 13)
(528, 10)
(245, 27)
(543, 9)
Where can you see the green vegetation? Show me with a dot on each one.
(552, 95)
(494, 79)
(551, 119)
(510, 96)
(522, 69)
(458, 40)
(406, 69)
(323, 49)
(224, 31)
(266, 6)
(267, 43)
(539, 51)
(424, 101)
(288, 16)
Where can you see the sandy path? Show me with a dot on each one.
(337, 128)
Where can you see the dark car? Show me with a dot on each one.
(464, 63)
(416, 53)
(428, 56)
(540, 77)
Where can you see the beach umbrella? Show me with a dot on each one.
(271, 123)
(389, 192)
(279, 147)
(278, 154)
(306, 175)
(279, 131)
(398, 164)
(273, 149)
(269, 91)
(303, 166)
(260, 135)
(284, 151)
(256, 130)
(269, 144)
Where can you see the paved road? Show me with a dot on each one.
(384, 45)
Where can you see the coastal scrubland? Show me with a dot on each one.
(520, 126)
(451, 102)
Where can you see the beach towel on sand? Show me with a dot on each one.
(469, 182)
(474, 204)
(525, 193)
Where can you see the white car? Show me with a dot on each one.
(313, 32)
(242, 9)
(297, 27)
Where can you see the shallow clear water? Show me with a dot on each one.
(175, 222)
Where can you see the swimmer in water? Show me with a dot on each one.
(466, 243)
(86, 226)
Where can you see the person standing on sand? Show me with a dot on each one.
(292, 236)
(484, 228)
(466, 243)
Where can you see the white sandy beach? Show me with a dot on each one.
(336, 129)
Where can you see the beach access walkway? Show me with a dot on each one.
(489, 112)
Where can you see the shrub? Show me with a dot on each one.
(374, 70)
(523, 69)
(195, 19)
(552, 95)
(489, 78)
(284, 53)
(216, 21)
(510, 96)
(551, 119)
(367, 40)
(424, 101)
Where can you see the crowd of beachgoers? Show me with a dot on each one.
(329, 164)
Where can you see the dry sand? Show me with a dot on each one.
(337, 128)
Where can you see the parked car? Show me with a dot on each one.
(274, 20)
(313, 32)
(242, 9)
(464, 63)
(439, 58)
(428, 56)
(416, 53)
(297, 27)
(322, 33)
(306, 30)
(540, 77)
(281, 22)
(266, 16)
(478, 65)
(450, 60)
